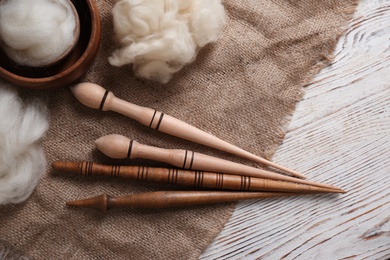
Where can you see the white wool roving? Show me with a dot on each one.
(36, 32)
(22, 161)
(160, 37)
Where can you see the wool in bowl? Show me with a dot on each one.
(22, 160)
(160, 37)
(36, 33)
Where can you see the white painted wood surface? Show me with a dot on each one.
(339, 134)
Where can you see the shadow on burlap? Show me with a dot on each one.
(242, 89)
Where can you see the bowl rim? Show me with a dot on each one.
(76, 36)
(95, 30)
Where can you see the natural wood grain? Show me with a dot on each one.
(343, 126)
(169, 199)
(95, 96)
(194, 179)
(120, 147)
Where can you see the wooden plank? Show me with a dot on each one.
(339, 134)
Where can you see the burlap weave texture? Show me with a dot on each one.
(242, 89)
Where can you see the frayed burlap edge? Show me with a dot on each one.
(325, 58)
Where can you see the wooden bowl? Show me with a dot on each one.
(71, 67)
(76, 36)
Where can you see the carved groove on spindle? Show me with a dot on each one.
(198, 180)
(192, 160)
(159, 121)
(103, 100)
(145, 172)
(81, 166)
(185, 160)
(115, 171)
(173, 175)
(151, 122)
(218, 180)
(142, 173)
(89, 168)
(119, 170)
(245, 182)
(86, 168)
(130, 147)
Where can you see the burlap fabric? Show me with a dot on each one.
(242, 89)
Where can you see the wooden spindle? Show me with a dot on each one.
(195, 179)
(169, 199)
(97, 97)
(120, 147)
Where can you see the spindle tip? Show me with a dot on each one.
(336, 190)
(89, 94)
(114, 146)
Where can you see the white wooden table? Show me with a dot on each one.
(339, 134)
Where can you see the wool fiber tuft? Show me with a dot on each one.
(160, 37)
(36, 32)
(22, 160)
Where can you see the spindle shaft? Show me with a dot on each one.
(169, 199)
(120, 147)
(195, 179)
(97, 97)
